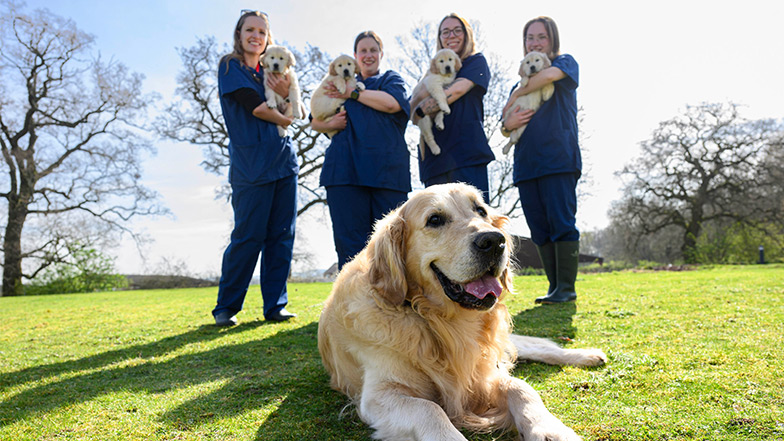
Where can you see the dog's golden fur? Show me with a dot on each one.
(442, 72)
(279, 60)
(419, 362)
(341, 76)
(532, 64)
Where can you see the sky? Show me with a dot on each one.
(640, 63)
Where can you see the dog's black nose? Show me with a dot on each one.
(490, 243)
(448, 69)
(346, 73)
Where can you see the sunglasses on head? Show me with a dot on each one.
(252, 11)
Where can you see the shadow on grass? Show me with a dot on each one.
(554, 322)
(282, 371)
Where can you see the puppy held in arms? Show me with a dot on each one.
(416, 332)
(443, 70)
(277, 60)
(532, 64)
(341, 77)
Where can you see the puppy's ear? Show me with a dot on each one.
(332, 70)
(356, 66)
(458, 64)
(291, 60)
(386, 258)
(433, 66)
(521, 70)
(546, 62)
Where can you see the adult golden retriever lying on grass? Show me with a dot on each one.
(416, 333)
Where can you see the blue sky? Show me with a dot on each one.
(641, 63)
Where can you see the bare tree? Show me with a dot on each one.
(195, 116)
(707, 165)
(70, 141)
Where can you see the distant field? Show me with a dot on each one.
(694, 355)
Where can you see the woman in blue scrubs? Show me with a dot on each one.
(465, 151)
(366, 168)
(547, 161)
(263, 176)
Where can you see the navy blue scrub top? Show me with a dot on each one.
(371, 151)
(549, 144)
(257, 154)
(463, 142)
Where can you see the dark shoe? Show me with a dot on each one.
(225, 319)
(280, 315)
(567, 260)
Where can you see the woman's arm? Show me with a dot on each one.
(272, 115)
(536, 82)
(375, 99)
(337, 122)
(428, 105)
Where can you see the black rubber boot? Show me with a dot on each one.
(547, 256)
(567, 259)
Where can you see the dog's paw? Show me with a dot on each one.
(361, 86)
(589, 357)
(438, 121)
(434, 149)
(554, 430)
(282, 131)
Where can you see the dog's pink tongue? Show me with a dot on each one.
(480, 288)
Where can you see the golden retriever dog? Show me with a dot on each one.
(442, 72)
(341, 76)
(532, 64)
(416, 334)
(277, 60)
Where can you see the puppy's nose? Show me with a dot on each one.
(491, 243)
(448, 69)
(274, 66)
(345, 72)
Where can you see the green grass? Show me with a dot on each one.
(694, 355)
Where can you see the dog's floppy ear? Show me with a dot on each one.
(291, 60)
(458, 63)
(386, 257)
(332, 70)
(546, 63)
(521, 71)
(433, 66)
(356, 66)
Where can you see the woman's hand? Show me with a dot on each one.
(279, 83)
(517, 118)
(333, 91)
(337, 122)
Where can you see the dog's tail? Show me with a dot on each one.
(546, 351)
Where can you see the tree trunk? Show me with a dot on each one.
(12, 246)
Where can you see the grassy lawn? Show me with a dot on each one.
(694, 355)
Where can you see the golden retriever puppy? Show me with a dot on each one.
(341, 76)
(416, 334)
(532, 64)
(442, 72)
(277, 60)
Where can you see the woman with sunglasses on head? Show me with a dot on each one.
(465, 151)
(366, 170)
(547, 162)
(262, 174)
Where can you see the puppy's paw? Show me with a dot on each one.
(361, 86)
(434, 149)
(282, 132)
(438, 121)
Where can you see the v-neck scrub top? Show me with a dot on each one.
(463, 142)
(371, 151)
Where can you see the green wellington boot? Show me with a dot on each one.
(567, 259)
(547, 256)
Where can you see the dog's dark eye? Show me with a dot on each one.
(481, 211)
(436, 220)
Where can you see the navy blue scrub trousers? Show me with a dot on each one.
(264, 221)
(354, 211)
(550, 207)
(475, 175)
